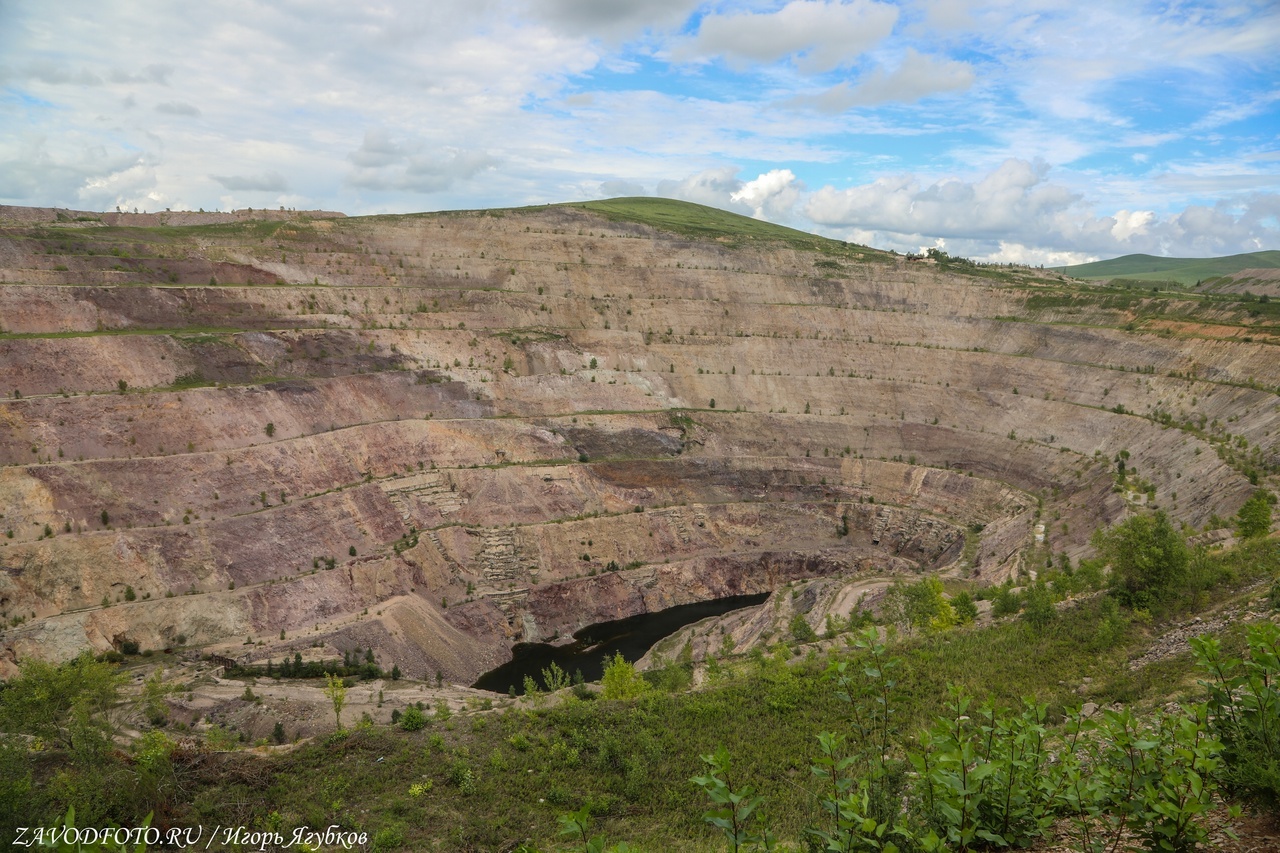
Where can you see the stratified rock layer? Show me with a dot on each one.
(440, 435)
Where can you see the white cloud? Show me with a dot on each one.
(772, 195)
(378, 150)
(1131, 222)
(818, 35)
(1017, 253)
(59, 170)
(916, 77)
(993, 206)
(397, 106)
(1233, 112)
(948, 14)
(1215, 183)
(714, 187)
(1016, 205)
(55, 74)
(157, 73)
(130, 187)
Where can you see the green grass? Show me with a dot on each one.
(495, 779)
(630, 762)
(1138, 301)
(1186, 271)
(702, 222)
(260, 228)
(1082, 299)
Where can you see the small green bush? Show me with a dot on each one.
(412, 719)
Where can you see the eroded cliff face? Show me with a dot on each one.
(440, 435)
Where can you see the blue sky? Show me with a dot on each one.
(1039, 131)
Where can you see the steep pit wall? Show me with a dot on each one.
(421, 389)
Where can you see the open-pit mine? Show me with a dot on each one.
(267, 434)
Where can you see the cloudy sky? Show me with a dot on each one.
(1044, 131)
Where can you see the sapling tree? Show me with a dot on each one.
(621, 681)
(1244, 711)
(336, 689)
(733, 810)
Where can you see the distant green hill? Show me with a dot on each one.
(1186, 271)
(699, 221)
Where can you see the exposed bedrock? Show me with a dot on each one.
(440, 435)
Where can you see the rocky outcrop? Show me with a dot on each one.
(440, 435)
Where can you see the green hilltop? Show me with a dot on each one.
(1187, 271)
(701, 222)
(688, 218)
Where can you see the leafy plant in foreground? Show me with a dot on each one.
(1152, 780)
(864, 783)
(732, 810)
(578, 824)
(1244, 711)
(854, 824)
(985, 776)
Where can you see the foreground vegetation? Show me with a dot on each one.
(855, 730)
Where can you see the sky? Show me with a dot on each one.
(1032, 131)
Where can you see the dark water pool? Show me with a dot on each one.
(630, 637)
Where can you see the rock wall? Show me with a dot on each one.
(439, 435)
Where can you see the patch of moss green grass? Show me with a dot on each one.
(630, 763)
(700, 221)
(503, 777)
(1133, 303)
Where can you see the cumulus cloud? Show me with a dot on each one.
(265, 182)
(1015, 211)
(63, 169)
(713, 187)
(771, 195)
(377, 150)
(55, 74)
(131, 186)
(1131, 222)
(916, 77)
(1012, 194)
(819, 35)
(948, 14)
